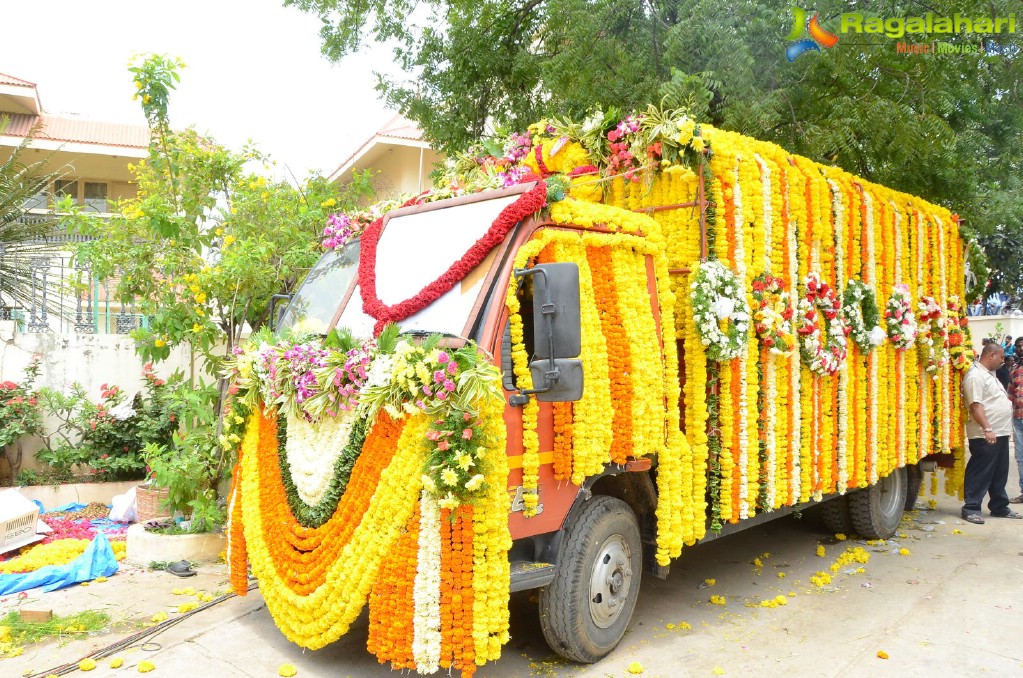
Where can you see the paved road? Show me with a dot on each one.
(951, 607)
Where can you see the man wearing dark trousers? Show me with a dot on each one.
(988, 430)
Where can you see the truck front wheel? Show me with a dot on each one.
(876, 510)
(585, 611)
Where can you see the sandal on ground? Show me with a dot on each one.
(1017, 500)
(1010, 514)
(974, 518)
(181, 569)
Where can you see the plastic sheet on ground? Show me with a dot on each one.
(97, 560)
(73, 506)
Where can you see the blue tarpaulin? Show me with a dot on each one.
(97, 560)
(73, 506)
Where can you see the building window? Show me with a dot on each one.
(65, 188)
(96, 196)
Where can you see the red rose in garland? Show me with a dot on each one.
(529, 202)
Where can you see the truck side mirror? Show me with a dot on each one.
(557, 325)
(556, 298)
(277, 312)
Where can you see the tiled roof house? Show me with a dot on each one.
(93, 158)
(96, 154)
(401, 160)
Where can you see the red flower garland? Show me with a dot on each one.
(540, 164)
(529, 202)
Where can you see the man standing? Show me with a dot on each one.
(988, 430)
(1016, 394)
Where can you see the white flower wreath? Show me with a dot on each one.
(720, 310)
(862, 315)
(822, 354)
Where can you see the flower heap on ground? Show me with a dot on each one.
(773, 426)
(350, 447)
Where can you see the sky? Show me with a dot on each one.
(253, 71)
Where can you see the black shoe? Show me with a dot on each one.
(181, 569)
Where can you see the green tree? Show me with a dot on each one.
(947, 128)
(21, 239)
(200, 251)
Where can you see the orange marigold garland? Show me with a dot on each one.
(562, 441)
(238, 562)
(390, 602)
(618, 352)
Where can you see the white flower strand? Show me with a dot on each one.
(795, 402)
(872, 372)
(946, 421)
(900, 356)
(312, 450)
(770, 415)
(765, 185)
(426, 636)
(743, 419)
(770, 385)
(838, 208)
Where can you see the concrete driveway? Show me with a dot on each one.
(950, 607)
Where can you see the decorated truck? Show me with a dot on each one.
(568, 363)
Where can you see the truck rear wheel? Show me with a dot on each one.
(586, 609)
(835, 514)
(876, 510)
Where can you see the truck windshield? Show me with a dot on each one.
(414, 250)
(312, 309)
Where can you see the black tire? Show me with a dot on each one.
(877, 510)
(914, 479)
(835, 514)
(585, 611)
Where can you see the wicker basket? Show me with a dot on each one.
(149, 503)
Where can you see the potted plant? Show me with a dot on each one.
(191, 467)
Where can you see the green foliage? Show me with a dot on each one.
(106, 438)
(191, 481)
(948, 128)
(19, 406)
(155, 76)
(20, 181)
(27, 476)
(70, 627)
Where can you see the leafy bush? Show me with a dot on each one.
(19, 413)
(107, 438)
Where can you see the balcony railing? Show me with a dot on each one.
(64, 297)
